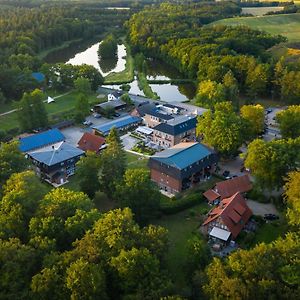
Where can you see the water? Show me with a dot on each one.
(134, 88)
(105, 66)
(159, 70)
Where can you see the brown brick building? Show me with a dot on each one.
(181, 166)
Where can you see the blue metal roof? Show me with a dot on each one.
(183, 155)
(40, 77)
(52, 156)
(119, 124)
(40, 140)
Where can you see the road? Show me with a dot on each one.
(14, 110)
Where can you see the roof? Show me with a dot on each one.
(40, 77)
(229, 187)
(144, 130)
(211, 195)
(178, 125)
(40, 140)
(116, 94)
(173, 106)
(234, 213)
(182, 155)
(118, 123)
(152, 110)
(53, 155)
(114, 104)
(91, 142)
(220, 233)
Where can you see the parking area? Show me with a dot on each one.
(260, 209)
(128, 141)
(272, 129)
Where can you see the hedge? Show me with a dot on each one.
(174, 205)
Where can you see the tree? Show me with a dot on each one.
(264, 272)
(90, 73)
(113, 163)
(290, 87)
(126, 98)
(137, 182)
(81, 108)
(292, 197)
(31, 111)
(21, 195)
(231, 89)
(108, 47)
(221, 129)
(12, 160)
(82, 85)
(289, 121)
(257, 80)
(86, 280)
(87, 170)
(254, 115)
(269, 162)
(210, 93)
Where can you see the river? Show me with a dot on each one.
(86, 53)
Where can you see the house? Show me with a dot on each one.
(114, 104)
(91, 142)
(182, 128)
(121, 124)
(151, 114)
(114, 95)
(227, 188)
(55, 163)
(40, 140)
(181, 166)
(225, 221)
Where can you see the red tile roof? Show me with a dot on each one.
(91, 142)
(229, 187)
(211, 195)
(234, 213)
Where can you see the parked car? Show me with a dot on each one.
(226, 173)
(269, 110)
(87, 123)
(270, 217)
(117, 115)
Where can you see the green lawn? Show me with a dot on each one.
(269, 232)
(181, 227)
(61, 105)
(136, 161)
(287, 25)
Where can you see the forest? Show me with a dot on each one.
(208, 53)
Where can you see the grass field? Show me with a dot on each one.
(61, 105)
(286, 25)
(260, 11)
(136, 161)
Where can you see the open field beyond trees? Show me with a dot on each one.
(286, 25)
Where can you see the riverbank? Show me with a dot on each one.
(125, 76)
(145, 87)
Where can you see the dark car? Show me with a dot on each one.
(270, 217)
(117, 115)
(269, 110)
(226, 173)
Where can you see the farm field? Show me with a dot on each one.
(260, 11)
(286, 25)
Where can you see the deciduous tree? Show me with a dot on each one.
(289, 121)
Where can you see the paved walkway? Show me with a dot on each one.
(259, 209)
(14, 110)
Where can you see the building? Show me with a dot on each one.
(40, 140)
(91, 142)
(227, 188)
(152, 114)
(114, 104)
(175, 131)
(225, 221)
(123, 123)
(181, 166)
(114, 95)
(55, 163)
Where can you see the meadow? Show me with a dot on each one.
(286, 25)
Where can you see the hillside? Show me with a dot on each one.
(286, 25)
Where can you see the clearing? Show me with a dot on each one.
(287, 25)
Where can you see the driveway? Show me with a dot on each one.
(73, 134)
(128, 141)
(259, 209)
